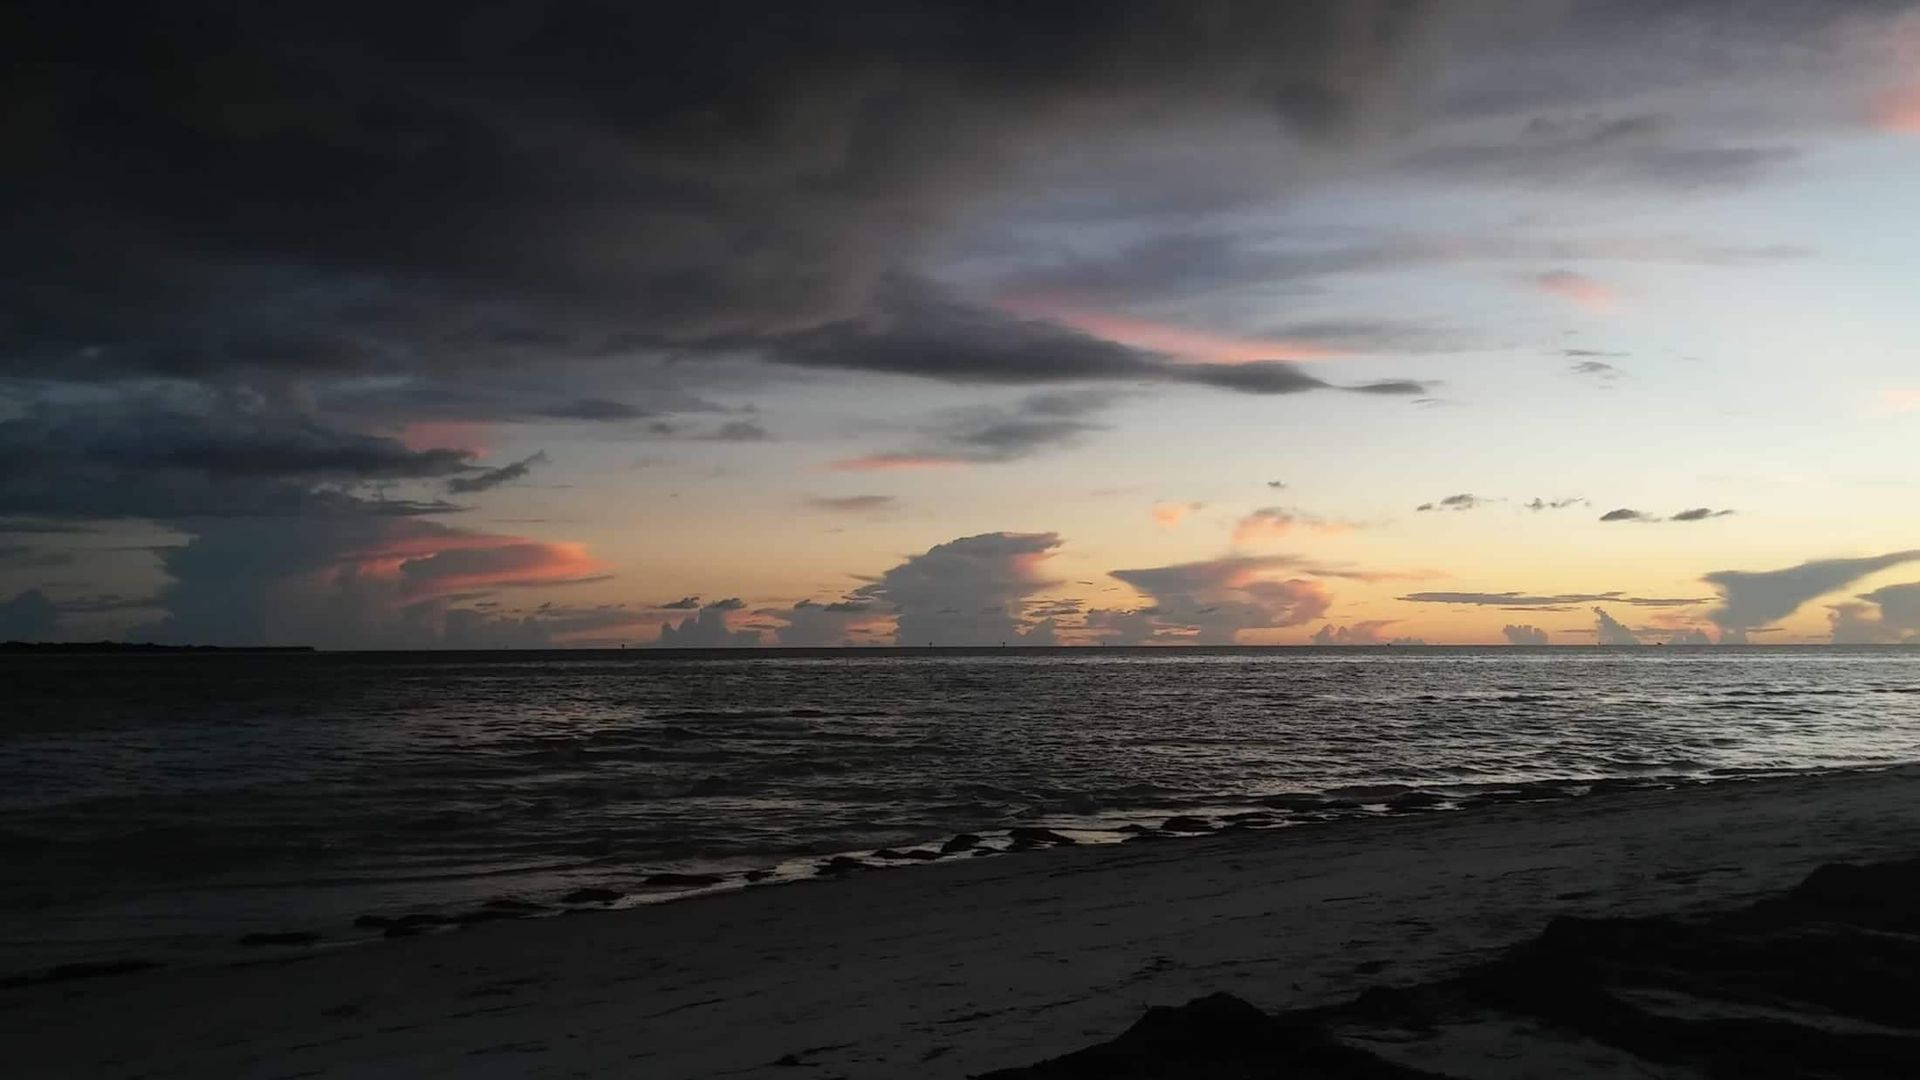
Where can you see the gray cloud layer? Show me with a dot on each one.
(1518, 601)
(719, 169)
(1752, 599)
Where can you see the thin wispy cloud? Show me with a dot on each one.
(1522, 601)
(1461, 501)
(492, 478)
(853, 504)
(1698, 513)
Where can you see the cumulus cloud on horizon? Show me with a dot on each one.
(967, 591)
(1212, 601)
(1610, 631)
(1525, 634)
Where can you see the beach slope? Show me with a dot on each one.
(964, 968)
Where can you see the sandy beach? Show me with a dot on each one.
(963, 967)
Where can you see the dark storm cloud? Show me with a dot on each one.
(1752, 599)
(1624, 514)
(685, 603)
(441, 187)
(1598, 369)
(28, 526)
(493, 478)
(172, 460)
(27, 557)
(918, 331)
(1539, 504)
(107, 602)
(1700, 513)
(29, 616)
(1518, 601)
(564, 390)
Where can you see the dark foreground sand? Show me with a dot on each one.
(965, 968)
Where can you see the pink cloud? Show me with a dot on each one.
(1580, 289)
(1275, 523)
(1896, 111)
(1180, 342)
(1212, 602)
(424, 560)
(509, 562)
(1170, 515)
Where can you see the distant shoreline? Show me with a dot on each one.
(144, 647)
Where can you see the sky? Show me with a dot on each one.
(597, 324)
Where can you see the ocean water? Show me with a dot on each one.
(163, 805)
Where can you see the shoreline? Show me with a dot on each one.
(565, 891)
(964, 967)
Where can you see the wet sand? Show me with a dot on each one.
(961, 968)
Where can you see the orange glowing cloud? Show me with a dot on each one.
(1580, 289)
(425, 561)
(1897, 111)
(1275, 523)
(1900, 400)
(884, 462)
(512, 562)
(1180, 342)
(1170, 515)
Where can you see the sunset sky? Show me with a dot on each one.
(1124, 323)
